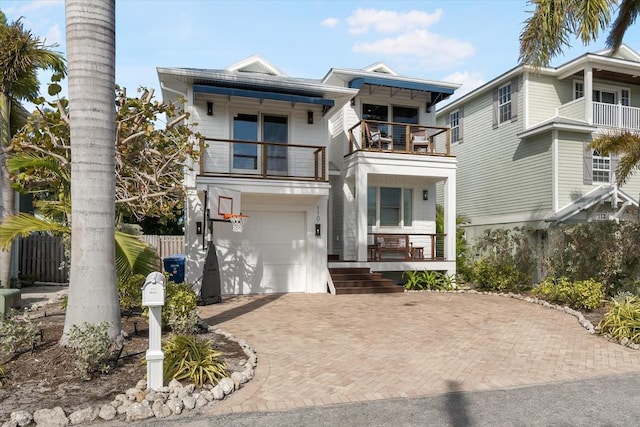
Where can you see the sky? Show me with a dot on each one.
(461, 41)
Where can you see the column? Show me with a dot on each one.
(588, 93)
(450, 220)
(361, 214)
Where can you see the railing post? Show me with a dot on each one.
(324, 163)
(448, 138)
(433, 246)
(315, 165)
(619, 113)
(264, 160)
(407, 131)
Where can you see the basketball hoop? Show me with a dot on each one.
(237, 221)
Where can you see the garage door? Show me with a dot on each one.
(277, 245)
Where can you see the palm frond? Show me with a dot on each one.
(627, 14)
(24, 224)
(545, 32)
(623, 143)
(590, 17)
(133, 256)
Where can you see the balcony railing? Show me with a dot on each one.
(616, 115)
(418, 247)
(393, 137)
(264, 160)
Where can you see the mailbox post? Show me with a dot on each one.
(153, 292)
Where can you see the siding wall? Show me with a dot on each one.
(546, 94)
(498, 173)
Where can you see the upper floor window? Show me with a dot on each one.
(578, 90)
(454, 123)
(504, 103)
(601, 167)
(624, 97)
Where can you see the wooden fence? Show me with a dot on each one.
(40, 257)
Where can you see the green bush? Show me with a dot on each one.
(179, 307)
(188, 357)
(583, 294)
(603, 250)
(498, 277)
(504, 260)
(130, 292)
(93, 348)
(432, 280)
(17, 332)
(622, 320)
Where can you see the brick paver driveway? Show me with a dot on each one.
(324, 349)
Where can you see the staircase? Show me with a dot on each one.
(361, 280)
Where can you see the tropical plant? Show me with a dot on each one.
(189, 357)
(553, 23)
(462, 247)
(93, 348)
(180, 307)
(622, 320)
(130, 293)
(22, 55)
(2, 375)
(622, 143)
(431, 280)
(17, 332)
(581, 294)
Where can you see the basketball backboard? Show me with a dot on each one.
(223, 201)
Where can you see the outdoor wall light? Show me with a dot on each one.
(352, 102)
(309, 117)
(425, 194)
(209, 108)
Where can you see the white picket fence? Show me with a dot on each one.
(166, 245)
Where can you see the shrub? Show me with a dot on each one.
(494, 276)
(587, 294)
(130, 292)
(603, 250)
(188, 357)
(622, 320)
(179, 306)
(432, 280)
(2, 375)
(182, 323)
(17, 332)
(93, 348)
(504, 260)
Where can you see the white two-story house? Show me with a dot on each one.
(289, 154)
(522, 139)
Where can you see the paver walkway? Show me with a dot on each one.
(323, 349)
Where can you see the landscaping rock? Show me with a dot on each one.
(107, 412)
(227, 385)
(83, 416)
(51, 417)
(175, 405)
(160, 409)
(22, 418)
(10, 423)
(217, 393)
(139, 411)
(189, 402)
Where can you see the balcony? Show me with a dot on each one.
(606, 115)
(262, 160)
(393, 137)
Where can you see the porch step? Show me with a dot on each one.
(360, 280)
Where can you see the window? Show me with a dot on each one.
(504, 103)
(624, 97)
(454, 122)
(604, 96)
(245, 128)
(389, 207)
(251, 127)
(601, 167)
(578, 91)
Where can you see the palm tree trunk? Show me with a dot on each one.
(93, 296)
(7, 196)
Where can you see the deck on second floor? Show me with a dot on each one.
(615, 116)
(393, 137)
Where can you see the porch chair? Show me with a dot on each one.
(375, 139)
(420, 141)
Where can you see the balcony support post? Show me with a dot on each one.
(588, 93)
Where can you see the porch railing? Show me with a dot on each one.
(263, 160)
(616, 115)
(399, 138)
(421, 246)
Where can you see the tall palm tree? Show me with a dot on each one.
(93, 296)
(21, 56)
(553, 23)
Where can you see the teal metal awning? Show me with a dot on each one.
(259, 94)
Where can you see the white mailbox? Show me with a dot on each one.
(153, 290)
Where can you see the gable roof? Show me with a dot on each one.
(255, 64)
(595, 196)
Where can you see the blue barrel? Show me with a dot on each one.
(174, 265)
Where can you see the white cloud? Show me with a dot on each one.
(470, 80)
(32, 6)
(428, 49)
(54, 35)
(388, 21)
(330, 22)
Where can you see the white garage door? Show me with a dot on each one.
(277, 240)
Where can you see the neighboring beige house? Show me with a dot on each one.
(323, 168)
(521, 143)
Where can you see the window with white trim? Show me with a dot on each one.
(389, 207)
(601, 167)
(578, 90)
(504, 103)
(624, 97)
(454, 123)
